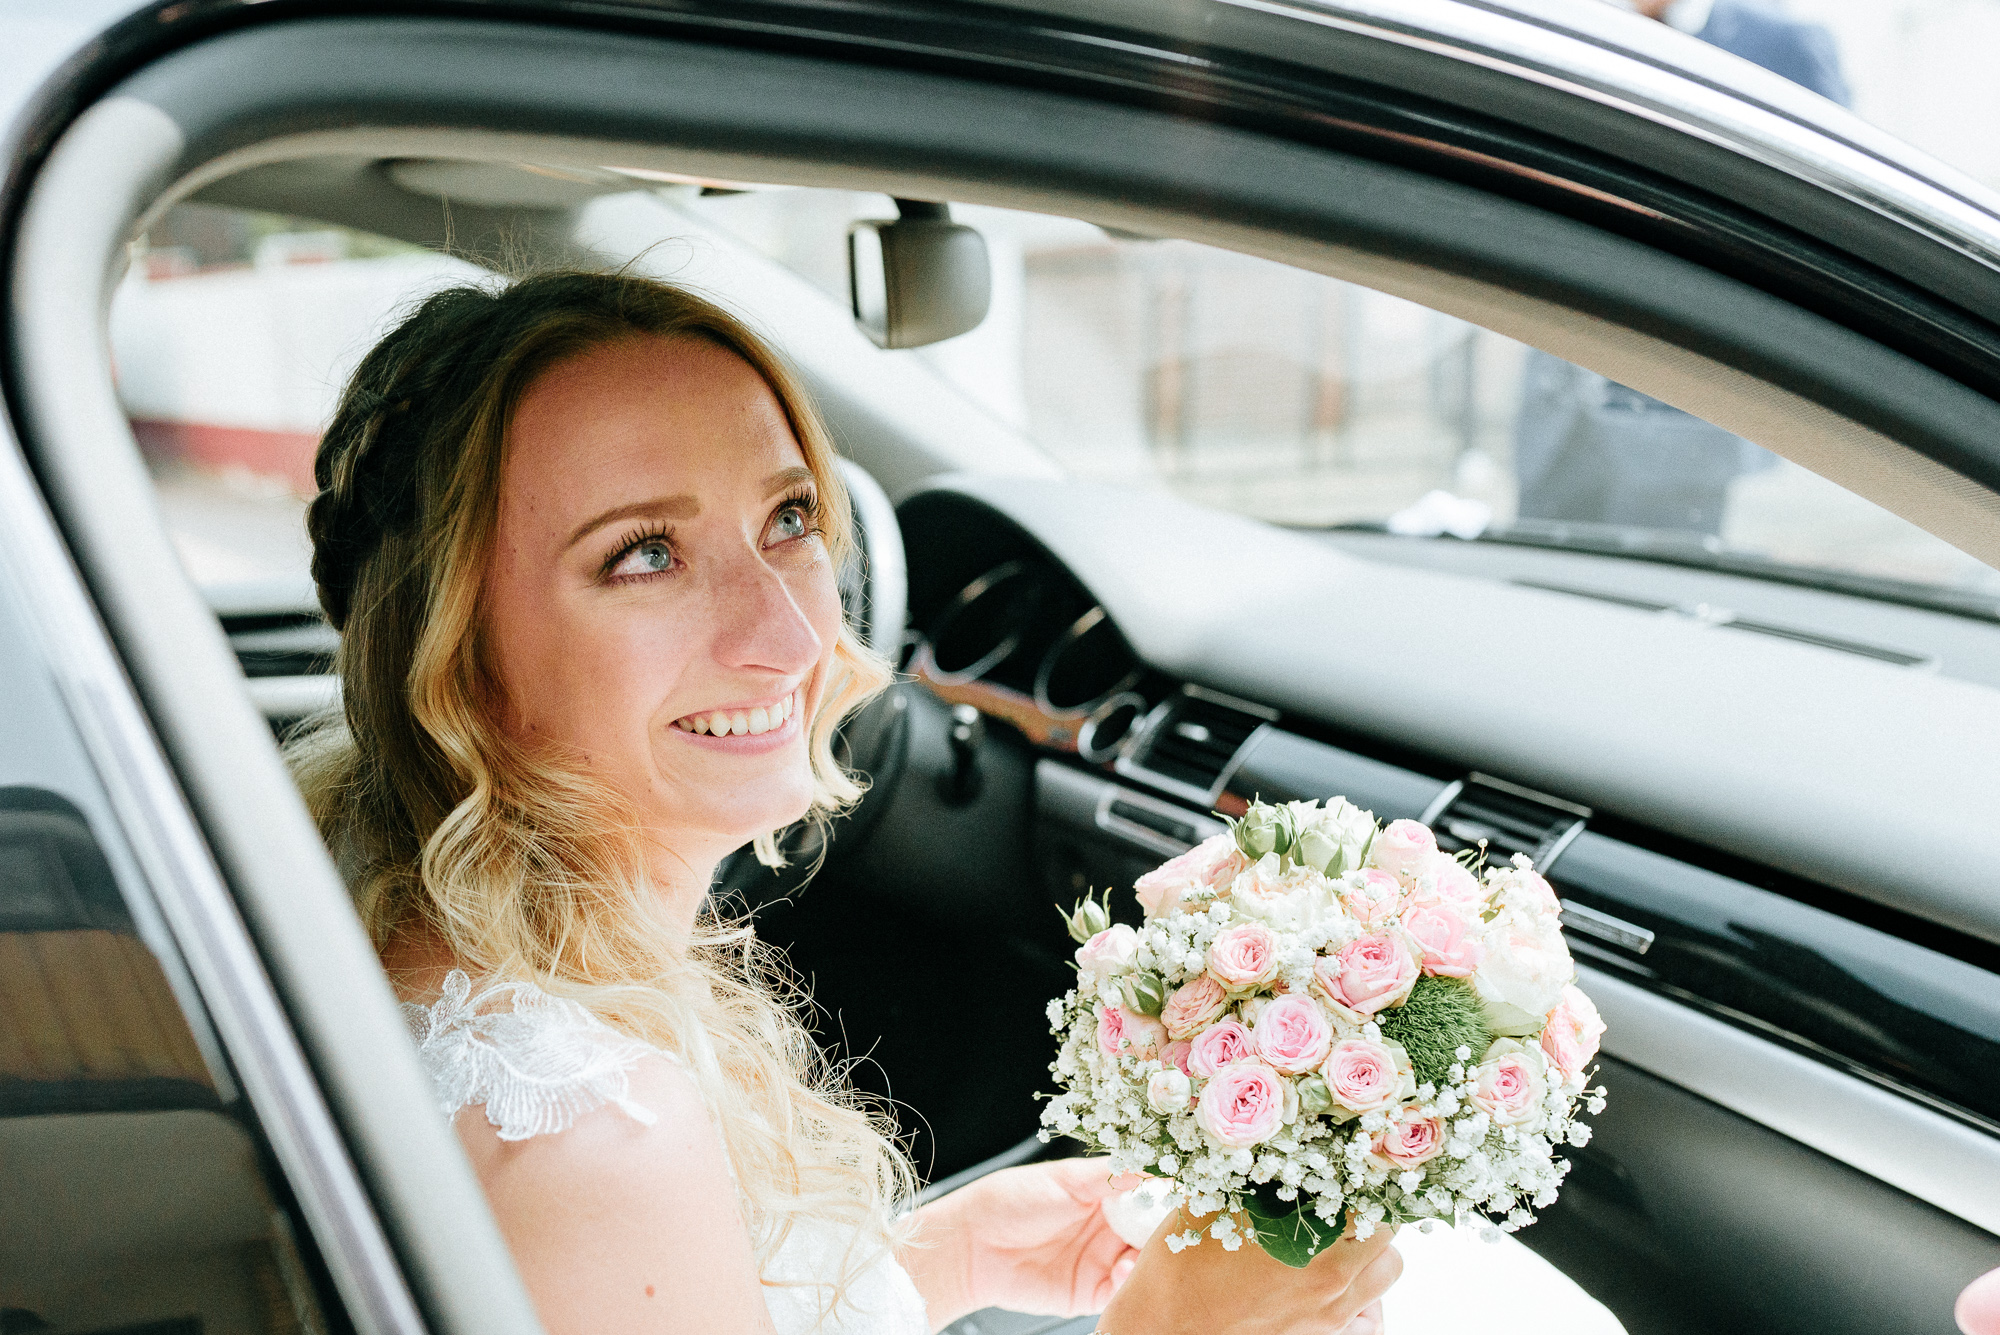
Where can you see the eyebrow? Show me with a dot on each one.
(682, 506)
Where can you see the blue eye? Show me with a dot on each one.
(792, 522)
(649, 556)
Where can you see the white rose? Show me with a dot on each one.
(1108, 953)
(1168, 1091)
(1521, 889)
(1287, 900)
(1526, 968)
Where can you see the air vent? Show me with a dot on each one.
(282, 644)
(1189, 744)
(1510, 818)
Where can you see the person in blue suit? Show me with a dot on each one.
(1589, 449)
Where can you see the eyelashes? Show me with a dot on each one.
(805, 500)
(632, 542)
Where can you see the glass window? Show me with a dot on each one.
(134, 1196)
(231, 337)
(1308, 401)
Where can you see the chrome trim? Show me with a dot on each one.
(1576, 809)
(1442, 802)
(1562, 841)
(1854, 161)
(1128, 766)
(1933, 1157)
(187, 888)
(1144, 835)
(1604, 927)
(1086, 732)
(1076, 630)
(963, 599)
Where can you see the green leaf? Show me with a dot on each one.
(1289, 1230)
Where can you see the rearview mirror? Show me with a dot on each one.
(920, 279)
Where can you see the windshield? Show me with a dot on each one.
(1231, 381)
(1308, 401)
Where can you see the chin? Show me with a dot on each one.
(762, 808)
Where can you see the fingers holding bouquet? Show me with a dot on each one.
(1247, 1291)
(1327, 1028)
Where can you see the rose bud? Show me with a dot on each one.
(1168, 1091)
(1321, 852)
(1088, 919)
(1262, 830)
(1145, 993)
(1314, 1096)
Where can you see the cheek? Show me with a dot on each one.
(584, 681)
(818, 597)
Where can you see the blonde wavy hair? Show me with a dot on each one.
(524, 866)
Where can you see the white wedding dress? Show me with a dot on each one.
(537, 1063)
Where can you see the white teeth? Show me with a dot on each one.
(762, 719)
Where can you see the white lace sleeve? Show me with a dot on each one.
(535, 1061)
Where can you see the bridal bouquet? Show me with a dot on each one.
(1325, 1022)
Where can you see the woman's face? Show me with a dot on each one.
(660, 604)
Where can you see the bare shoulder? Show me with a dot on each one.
(618, 1225)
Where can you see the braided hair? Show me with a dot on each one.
(520, 866)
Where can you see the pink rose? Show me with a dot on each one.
(1243, 1105)
(1218, 1046)
(1571, 1036)
(1373, 896)
(1120, 1029)
(1175, 1054)
(1243, 956)
(1411, 1142)
(1364, 1077)
(1192, 1006)
(1443, 879)
(1293, 1034)
(1368, 974)
(1209, 865)
(1509, 1088)
(1444, 940)
(1401, 849)
(1110, 952)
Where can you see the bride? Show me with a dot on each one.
(580, 539)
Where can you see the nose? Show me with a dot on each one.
(760, 623)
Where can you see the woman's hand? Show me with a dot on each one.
(1029, 1239)
(1204, 1290)
(1035, 1239)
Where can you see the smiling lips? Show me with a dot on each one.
(741, 722)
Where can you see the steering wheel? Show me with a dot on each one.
(874, 591)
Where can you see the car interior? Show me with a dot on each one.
(1167, 582)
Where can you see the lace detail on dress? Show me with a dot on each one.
(538, 1063)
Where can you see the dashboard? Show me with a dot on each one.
(1133, 762)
